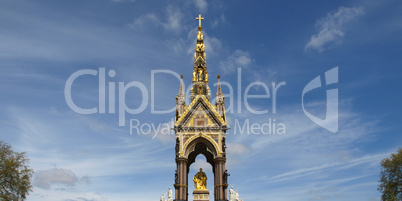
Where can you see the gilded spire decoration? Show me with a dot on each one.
(200, 73)
(199, 18)
(200, 56)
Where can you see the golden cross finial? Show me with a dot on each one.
(199, 18)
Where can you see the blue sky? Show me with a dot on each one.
(90, 157)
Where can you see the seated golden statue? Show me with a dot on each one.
(200, 180)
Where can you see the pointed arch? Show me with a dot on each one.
(200, 144)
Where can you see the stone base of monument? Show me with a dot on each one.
(201, 195)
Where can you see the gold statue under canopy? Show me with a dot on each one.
(200, 180)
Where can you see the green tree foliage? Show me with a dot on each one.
(15, 174)
(391, 176)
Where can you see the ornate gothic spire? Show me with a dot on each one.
(220, 99)
(219, 90)
(180, 99)
(199, 55)
(200, 73)
(181, 90)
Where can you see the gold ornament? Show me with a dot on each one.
(200, 180)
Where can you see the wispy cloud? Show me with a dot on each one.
(146, 19)
(335, 166)
(239, 59)
(66, 39)
(218, 21)
(307, 155)
(62, 194)
(173, 22)
(201, 5)
(235, 152)
(174, 19)
(46, 178)
(212, 45)
(331, 28)
(51, 139)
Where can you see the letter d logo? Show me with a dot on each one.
(331, 117)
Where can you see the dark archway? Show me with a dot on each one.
(202, 146)
(200, 162)
(205, 146)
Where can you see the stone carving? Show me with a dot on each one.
(223, 144)
(176, 178)
(234, 195)
(231, 194)
(170, 195)
(225, 177)
(163, 198)
(199, 89)
(200, 180)
(177, 145)
(201, 197)
(181, 100)
(219, 100)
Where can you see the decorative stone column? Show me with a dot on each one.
(220, 186)
(181, 187)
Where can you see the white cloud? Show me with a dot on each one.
(173, 21)
(65, 195)
(212, 45)
(307, 155)
(235, 152)
(330, 28)
(237, 149)
(218, 21)
(86, 180)
(163, 132)
(174, 17)
(238, 59)
(201, 5)
(335, 166)
(149, 18)
(46, 178)
(37, 137)
(66, 40)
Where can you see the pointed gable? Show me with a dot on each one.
(200, 113)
